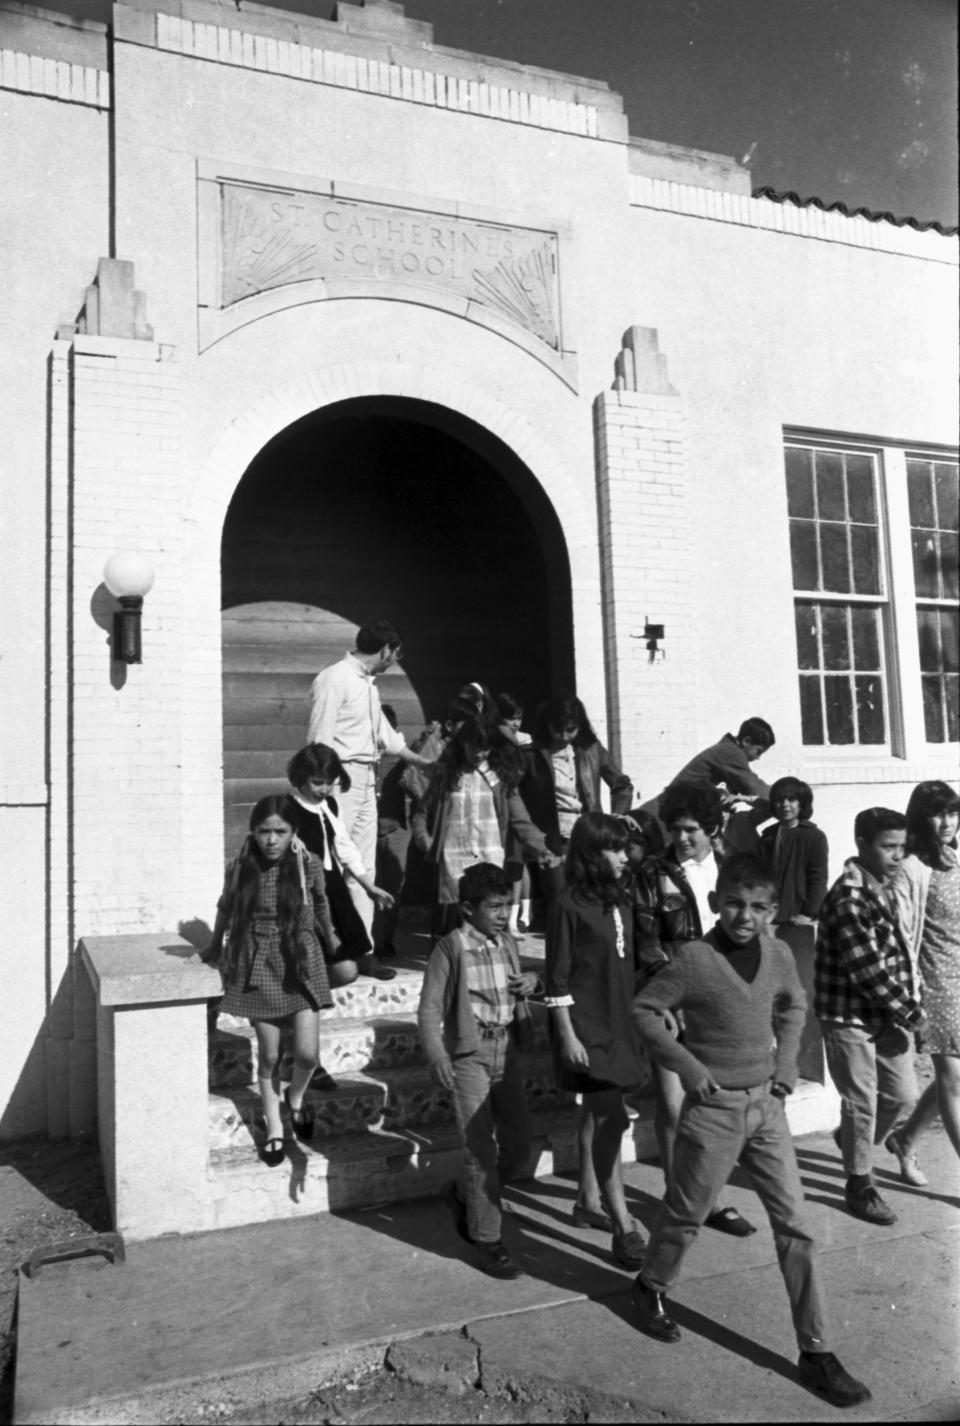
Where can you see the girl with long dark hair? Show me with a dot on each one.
(470, 803)
(589, 989)
(266, 943)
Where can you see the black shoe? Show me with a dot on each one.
(370, 966)
(728, 1220)
(822, 1373)
(497, 1262)
(652, 1313)
(301, 1119)
(867, 1204)
(273, 1153)
(628, 1250)
(458, 1208)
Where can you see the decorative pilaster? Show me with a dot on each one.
(645, 563)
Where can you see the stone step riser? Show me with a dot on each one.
(346, 1048)
(246, 1191)
(401, 1099)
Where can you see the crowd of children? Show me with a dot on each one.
(668, 935)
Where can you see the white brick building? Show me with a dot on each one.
(330, 322)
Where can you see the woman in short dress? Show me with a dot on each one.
(929, 893)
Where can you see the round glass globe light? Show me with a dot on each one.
(128, 575)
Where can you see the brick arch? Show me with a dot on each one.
(249, 432)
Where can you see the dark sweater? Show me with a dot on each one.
(799, 863)
(729, 1023)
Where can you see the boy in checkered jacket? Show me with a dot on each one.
(468, 1020)
(866, 1000)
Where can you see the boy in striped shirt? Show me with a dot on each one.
(467, 1017)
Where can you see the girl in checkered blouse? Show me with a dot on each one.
(265, 939)
(470, 803)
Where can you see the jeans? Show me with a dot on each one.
(358, 813)
(495, 1129)
(749, 1127)
(874, 1075)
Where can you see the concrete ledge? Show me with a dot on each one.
(146, 970)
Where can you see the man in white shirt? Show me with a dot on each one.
(345, 714)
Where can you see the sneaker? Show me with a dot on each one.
(822, 1373)
(867, 1204)
(628, 1250)
(497, 1262)
(910, 1170)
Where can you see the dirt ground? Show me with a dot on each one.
(53, 1193)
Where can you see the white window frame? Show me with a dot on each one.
(898, 600)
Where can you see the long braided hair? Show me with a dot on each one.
(244, 882)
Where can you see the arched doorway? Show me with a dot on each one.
(383, 507)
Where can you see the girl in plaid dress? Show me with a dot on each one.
(266, 942)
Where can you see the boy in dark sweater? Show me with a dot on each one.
(744, 1010)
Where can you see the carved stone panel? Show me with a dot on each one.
(270, 238)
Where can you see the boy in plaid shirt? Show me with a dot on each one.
(866, 1001)
(467, 1018)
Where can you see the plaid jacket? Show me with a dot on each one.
(862, 975)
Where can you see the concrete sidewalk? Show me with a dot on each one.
(255, 1314)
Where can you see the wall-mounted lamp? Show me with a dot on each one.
(128, 576)
(653, 633)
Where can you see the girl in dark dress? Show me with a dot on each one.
(589, 983)
(265, 941)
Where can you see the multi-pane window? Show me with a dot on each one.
(932, 487)
(835, 550)
(851, 558)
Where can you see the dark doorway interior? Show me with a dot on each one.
(383, 508)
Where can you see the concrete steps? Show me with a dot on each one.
(387, 1133)
(403, 1096)
(364, 1170)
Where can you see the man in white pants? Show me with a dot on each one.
(345, 714)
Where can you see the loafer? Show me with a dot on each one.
(822, 1373)
(728, 1220)
(495, 1261)
(652, 1314)
(910, 1170)
(867, 1204)
(584, 1217)
(628, 1250)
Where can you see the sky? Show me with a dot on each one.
(853, 100)
(850, 100)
